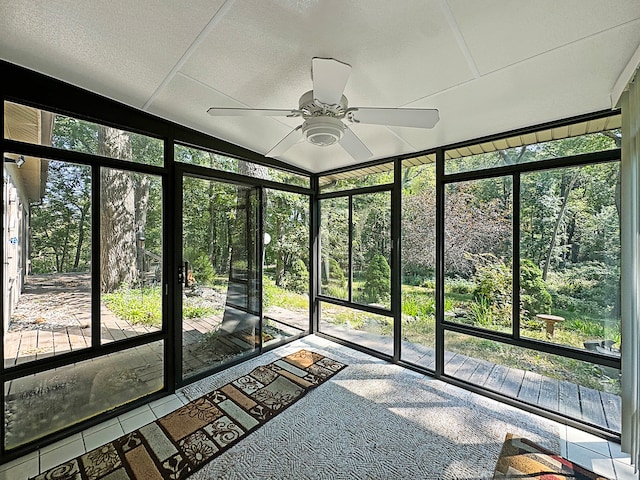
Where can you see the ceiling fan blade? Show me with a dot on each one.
(397, 117)
(329, 79)
(354, 146)
(252, 112)
(286, 143)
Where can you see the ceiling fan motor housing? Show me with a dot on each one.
(323, 131)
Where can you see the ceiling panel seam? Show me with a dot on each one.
(459, 38)
(222, 94)
(563, 46)
(217, 17)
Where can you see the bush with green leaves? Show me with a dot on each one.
(297, 279)
(202, 270)
(534, 295)
(493, 291)
(377, 280)
(335, 273)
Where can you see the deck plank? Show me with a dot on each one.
(481, 373)
(467, 369)
(496, 378)
(28, 342)
(512, 382)
(592, 409)
(61, 341)
(530, 388)
(549, 394)
(569, 399)
(452, 364)
(44, 346)
(11, 347)
(612, 410)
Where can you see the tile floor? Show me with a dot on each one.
(594, 453)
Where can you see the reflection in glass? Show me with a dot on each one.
(418, 264)
(47, 258)
(220, 302)
(285, 298)
(68, 133)
(581, 390)
(334, 247)
(467, 159)
(364, 177)
(362, 328)
(130, 254)
(46, 402)
(570, 257)
(217, 161)
(478, 249)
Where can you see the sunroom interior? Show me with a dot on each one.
(148, 245)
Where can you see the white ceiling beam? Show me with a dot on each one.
(625, 77)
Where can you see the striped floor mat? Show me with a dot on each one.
(183, 441)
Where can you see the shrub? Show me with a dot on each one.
(335, 273)
(297, 279)
(377, 280)
(203, 271)
(493, 283)
(418, 304)
(534, 295)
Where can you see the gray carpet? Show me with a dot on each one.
(374, 421)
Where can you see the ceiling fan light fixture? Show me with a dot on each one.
(323, 131)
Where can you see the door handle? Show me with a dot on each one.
(183, 274)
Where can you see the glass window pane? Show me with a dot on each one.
(371, 249)
(362, 328)
(46, 402)
(538, 146)
(47, 258)
(580, 390)
(418, 264)
(570, 257)
(478, 249)
(217, 161)
(32, 125)
(220, 302)
(334, 247)
(285, 299)
(130, 254)
(363, 177)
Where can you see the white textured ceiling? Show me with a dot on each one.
(487, 65)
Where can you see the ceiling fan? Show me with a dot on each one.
(324, 108)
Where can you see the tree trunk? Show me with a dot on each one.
(118, 218)
(563, 207)
(83, 216)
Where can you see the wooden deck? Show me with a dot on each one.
(593, 406)
(28, 345)
(599, 408)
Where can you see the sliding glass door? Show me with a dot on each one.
(220, 270)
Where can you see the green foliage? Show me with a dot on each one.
(588, 286)
(459, 285)
(202, 269)
(493, 281)
(335, 273)
(273, 295)
(534, 295)
(377, 280)
(136, 305)
(418, 304)
(197, 311)
(297, 279)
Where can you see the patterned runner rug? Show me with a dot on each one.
(183, 441)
